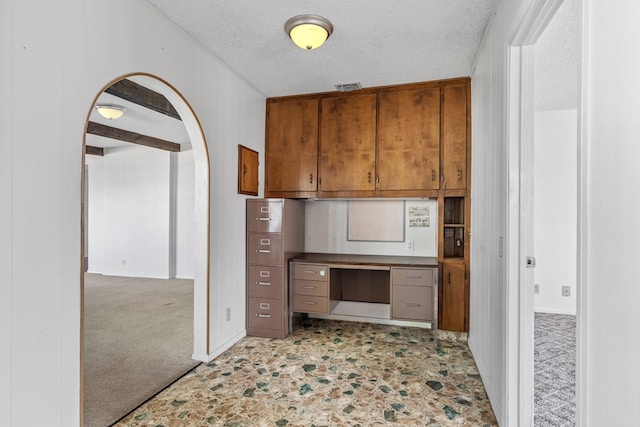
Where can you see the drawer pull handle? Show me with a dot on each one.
(263, 316)
(310, 287)
(310, 303)
(263, 283)
(310, 272)
(414, 276)
(263, 219)
(412, 304)
(263, 251)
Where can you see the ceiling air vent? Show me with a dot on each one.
(348, 87)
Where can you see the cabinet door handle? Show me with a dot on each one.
(263, 316)
(263, 283)
(412, 304)
(449, 277)
(310, 272)
(310, 303)
(414, 276)
(310, 178)
(263, 219)
(310, 287)
(263, 251)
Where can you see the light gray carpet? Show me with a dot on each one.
(555, 370)
(138, 338)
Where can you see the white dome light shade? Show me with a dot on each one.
(110, 111)
(308, 31)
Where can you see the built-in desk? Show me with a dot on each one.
(372, 288)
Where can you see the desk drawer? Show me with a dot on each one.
(264, 249)
(317, 272)
(265, 313)
(309, 287)
(412, 303)
(412, 276)
(310, 304)
(264, 282)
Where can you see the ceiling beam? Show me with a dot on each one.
(138, 94)
(132, 137)
(94, 151)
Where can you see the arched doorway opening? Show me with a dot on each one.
(146, 95)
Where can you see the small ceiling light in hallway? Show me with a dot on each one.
(110, 111)
(308, 31)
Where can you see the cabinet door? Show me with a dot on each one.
(409, 140)
(291, 150)
(453, 297)
(454, 137)
(348, 143)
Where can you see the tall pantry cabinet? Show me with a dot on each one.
(275, 233)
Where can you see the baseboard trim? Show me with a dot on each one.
(552, 311)
(220, 349)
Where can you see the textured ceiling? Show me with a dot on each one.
(557, 60)
(375, 42)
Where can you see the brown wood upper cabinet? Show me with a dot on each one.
(348, 143)
(291, 152)
(454, 137)
(409, 139)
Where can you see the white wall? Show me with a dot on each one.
(95, 213)
(130, 208)
(326, 231)
(555, 220)
(608, 182)
(136, 213)
(41, 180)
(491, 292)
(608, 314)
(6, 213)
(185, 215)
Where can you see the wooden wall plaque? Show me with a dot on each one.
(247, 171)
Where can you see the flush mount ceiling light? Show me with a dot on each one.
(308, 31)
(110, 111)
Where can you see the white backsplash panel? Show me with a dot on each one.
(326, 230)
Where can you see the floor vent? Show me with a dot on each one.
(348, 87)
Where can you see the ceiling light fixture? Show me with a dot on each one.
(308, 31)
(110, 111)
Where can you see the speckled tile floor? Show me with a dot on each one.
(329, 373)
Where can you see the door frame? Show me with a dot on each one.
(202, 238)
(520, 375)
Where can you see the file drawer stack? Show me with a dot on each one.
(275, 232)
